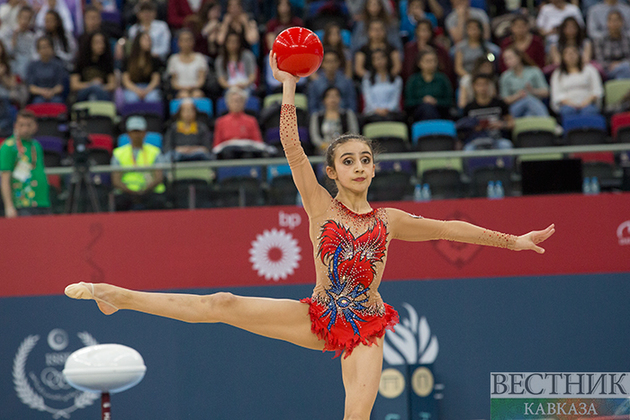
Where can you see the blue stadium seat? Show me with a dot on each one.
(436, 135)
(152, 138)
(585, 129)
(227, 172)
(277, 170)
(202, 104)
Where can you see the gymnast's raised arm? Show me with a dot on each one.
(412, 228)
(315, 198)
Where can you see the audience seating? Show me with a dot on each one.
(534, 132)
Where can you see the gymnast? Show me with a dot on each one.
(350, 239)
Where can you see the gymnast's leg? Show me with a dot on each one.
(361, 376)
(283, 319)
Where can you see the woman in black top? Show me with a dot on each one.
(141, 77)
(93, 78)
(187, 138)
(377, 40)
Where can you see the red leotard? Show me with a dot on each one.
(350, 251)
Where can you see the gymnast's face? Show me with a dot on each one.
(354, 166)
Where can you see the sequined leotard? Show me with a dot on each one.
(350, 251)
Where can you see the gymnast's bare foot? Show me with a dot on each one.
(90, 291)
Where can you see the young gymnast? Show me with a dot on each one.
(345, 312)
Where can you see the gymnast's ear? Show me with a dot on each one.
(331, 172)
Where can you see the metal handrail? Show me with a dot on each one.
(617, 147)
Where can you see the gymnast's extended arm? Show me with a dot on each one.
(407, 227)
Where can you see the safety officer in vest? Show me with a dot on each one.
(138, 190)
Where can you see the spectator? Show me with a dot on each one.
(236, 125)
(157, 29)
(522, 38)
(552, 14)
(330, 122)
(376, 41)
(375, 10)
(20, 42)
(138, 190)
(9, 13)
(141, 72)
(47, 76)
(598, 15)
(455, 22)
(236, 20)
(187, 138)
(25, 190)
(94, 79)
(571, 34)
(62, 11)
(93, 22)
(285, 18)
(236, 65)
(64, 44)
(576, 88)
(381, 91)
(412, 16)
(471, 48)
(9, 87)
(613, 50)
(130, 10)
(188, 69)
(331, 75)
(487, 116)
(184, 13)
(423, 40)
(333, 41)
(522, 87)
(211, 26)
(466, 94)
(428, 92)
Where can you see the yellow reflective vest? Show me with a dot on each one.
(137, 181)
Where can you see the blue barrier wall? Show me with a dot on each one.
(554, 323)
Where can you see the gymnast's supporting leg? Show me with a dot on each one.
(361, 377)
(282, 319)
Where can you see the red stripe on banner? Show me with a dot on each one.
(214, 248)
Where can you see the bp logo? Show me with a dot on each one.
(37, 375)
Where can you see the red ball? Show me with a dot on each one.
(298, 51)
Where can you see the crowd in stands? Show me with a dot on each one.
(483, 65)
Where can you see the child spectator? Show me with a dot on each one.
(428, 92)
(330, 122)
(375, 10)
(141, 72)
(576, 87)
(47, 76)
(330, 74)
(613, 50)
(471, 48)
(236, 65)
(522, 38)
(157, 29)
(20, 42)
(424, 40)
(64, 44)
(93, 78)
(522, 87)
(376, 41)
(570, 33)
(187, 138)
(188, 69)
(381, 91)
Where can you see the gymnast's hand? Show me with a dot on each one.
(279, 75)
(531, 239)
